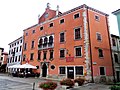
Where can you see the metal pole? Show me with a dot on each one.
(33, 86)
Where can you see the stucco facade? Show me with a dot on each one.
(116, 55)
(117, 13)
(15, 52)
(70, 44)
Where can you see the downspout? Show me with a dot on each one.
(110, 50)
(90, 47)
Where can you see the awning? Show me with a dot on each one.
(15, 66)
(28, 66)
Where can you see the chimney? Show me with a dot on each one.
(57, 11)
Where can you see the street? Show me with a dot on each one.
(16, 83)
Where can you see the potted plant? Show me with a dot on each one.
(67, 82)
(49, 85)
(115, 87)
(80, 81)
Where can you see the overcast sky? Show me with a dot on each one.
(17, 15)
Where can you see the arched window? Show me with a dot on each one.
(41, 41)
(45, 40)
(51, 39)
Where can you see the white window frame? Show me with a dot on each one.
(75, 51)
(75, 14)
(80, 32)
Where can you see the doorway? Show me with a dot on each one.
(44, 70)
(118, 76)
(70, 72)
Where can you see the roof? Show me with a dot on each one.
(112, 35)
(116, 12)
(72, 10)
(15, 40)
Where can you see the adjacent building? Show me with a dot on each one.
(15, 52)
(70, 44)
(116, 55)
(3, 60)
(1, 56)
(117, 13)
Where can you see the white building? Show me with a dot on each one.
(116, 55)
(15, 52)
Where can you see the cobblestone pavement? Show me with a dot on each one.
(16, 83)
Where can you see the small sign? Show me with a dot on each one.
(69, 59)
(94, 63)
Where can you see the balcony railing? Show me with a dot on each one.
(45, 46)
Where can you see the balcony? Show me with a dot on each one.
(45, 46)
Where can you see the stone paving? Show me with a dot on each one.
(16, 83)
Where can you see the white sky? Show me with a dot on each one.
(17, 15)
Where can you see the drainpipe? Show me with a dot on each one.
(90, 47)
(110, 50)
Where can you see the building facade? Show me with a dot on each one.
(70, 44)
(116, 55)
(1, 56)
(117, 13)
(15, 52)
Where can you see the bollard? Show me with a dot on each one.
(34, 86)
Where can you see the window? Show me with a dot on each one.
(51, 39)
(41, 28)
(44, 55)
(113, 42)
(52, 67)
(62, 70)
(102, 71)
(79, 70)
(78, 51)
(17, 49)
(20, 48)
(97, 17)
(32, 46)
(33, 31)
(62, 53)
(19, 58)
(116, 58)
(26, 34)
(13, 59)
(62, 37)
(61, 21)
(1, 58)
(51, 25)
(77, 33)
(76, 15)
(25, 46)
(24, 57)
(20, 41)
(15, 44)
(31, 56)
(98, 35)
(16, 59)
(51, 54)
(100, 51)
(39, 55)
